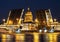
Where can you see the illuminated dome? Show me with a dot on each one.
(28, 16)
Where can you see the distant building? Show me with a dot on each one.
(28, 23)
(28, 16)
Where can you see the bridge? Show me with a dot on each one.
(13, 21)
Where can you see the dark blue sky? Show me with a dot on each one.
(7, 5)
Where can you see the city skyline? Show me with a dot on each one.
(6, 6)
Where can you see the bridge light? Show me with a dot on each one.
(10, 22)
(55, 20)
(3, 21)
(40, 30)
(45, 30)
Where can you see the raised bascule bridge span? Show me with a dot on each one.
(14, 20)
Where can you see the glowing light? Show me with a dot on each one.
(40, 30)
(3, 20)
(3, 38)
(51, 20)
(36, 37)
(36, 20)
(10, 22)
(45, 30)
(17, 19)
(55, 20)
(19, 37)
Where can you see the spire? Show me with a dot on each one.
(28, 10)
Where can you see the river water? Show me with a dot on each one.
(30, 37)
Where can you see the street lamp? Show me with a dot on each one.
(3, 21)
(55, 20)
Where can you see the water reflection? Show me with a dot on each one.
(31, 37)
(58, 38)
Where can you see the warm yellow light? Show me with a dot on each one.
(10, 22)
(19, 37)
(52, 37)
(36, 20)
(17, 19)
(4, 37)
(44, 22)
(51, 20)
(36, 37)
(10, 32)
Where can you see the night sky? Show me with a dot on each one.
(7, 5)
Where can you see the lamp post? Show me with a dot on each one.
(3, 21)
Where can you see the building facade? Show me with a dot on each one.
(28, 16)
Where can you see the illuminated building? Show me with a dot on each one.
(28, 16)
(28, 26)
(28, 23)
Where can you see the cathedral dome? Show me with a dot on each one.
(28, 16)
